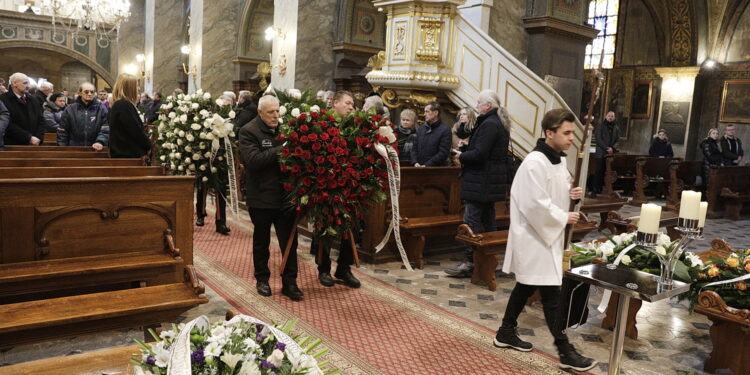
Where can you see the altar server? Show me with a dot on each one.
(539, 201)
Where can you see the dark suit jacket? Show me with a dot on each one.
(127, 138)
(26, 120)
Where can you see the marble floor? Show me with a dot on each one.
(671, 341)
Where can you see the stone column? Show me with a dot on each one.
(221, 20)
(148, 51)
(478, 12)
(168, 21)
(195, 58)
(676, 104)
(130, 38)
(284, 54)
(557, 46)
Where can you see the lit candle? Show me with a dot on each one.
(690, 204)
(702, 214)
(650, 217)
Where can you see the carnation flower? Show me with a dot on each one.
(315, 109)
(206, 96)
(172, 115)
(190, 138)
(295, 112)
(282, 111)
(196, 126)
(196, 156)
(295, 93)
(195, 106)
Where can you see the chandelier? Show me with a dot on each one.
(99, 16)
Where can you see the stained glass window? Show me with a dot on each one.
(602, 16)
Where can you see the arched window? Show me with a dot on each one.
(603, 17)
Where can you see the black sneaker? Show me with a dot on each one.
(570, 359)
(508, 338)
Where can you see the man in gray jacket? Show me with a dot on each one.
(85, 122)
(4, 121)
(607, 139)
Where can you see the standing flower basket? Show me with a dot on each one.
(194, 134)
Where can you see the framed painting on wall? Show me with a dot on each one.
(619, 97)
(674, 117)
(735, 102)
(642, 94)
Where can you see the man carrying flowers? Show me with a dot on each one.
(539, 201)
(259, 148)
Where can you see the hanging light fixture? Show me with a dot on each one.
(99, 16)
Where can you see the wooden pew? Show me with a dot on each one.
(682, 175)
(602, 205)
(620, 169)
(735, 178)
(105, 361)
(62, 172)
(651, 172)
(52, 148)
(69, 162)
(82, 255)
(50, 139)
(617, 224)
(53, 154)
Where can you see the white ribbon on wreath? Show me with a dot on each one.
(608, 293)
(232, 199)
(390, 156)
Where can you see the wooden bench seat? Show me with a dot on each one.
(618, 224)
(683, 175)
(114, 361)
(733, 201)
(651, 173)
(32, 321)
(65, 162)
(620, 170)
(36, 154)
(52, 148)
(61, 172)
(487, 248)
(735, 178)
(67, 273)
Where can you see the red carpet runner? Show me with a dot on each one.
(377, 329)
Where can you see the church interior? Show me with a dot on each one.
(103, 256)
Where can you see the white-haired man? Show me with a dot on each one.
(27, 124)
(44, 91)
(266, 201)
(483, 172)
(231, 96)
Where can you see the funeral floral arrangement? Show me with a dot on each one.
(729, 277)
(332, 168)
(193, 132)
(240, 346)
(637, 258)
(293, 102)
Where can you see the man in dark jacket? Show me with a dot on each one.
(152, 110)
(607, 139)
(85, 122)
(43, 92)
(731, 146)
(433, 142)
(247, 110)
(483, 172)
(259, 149)
(26, 125)
(4, 121)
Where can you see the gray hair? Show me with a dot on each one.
(18, 76)
(329, 94)
(230, 94)
(46, 85)
(373, 102)
(489, 96)
(265, 100)
(246, 95)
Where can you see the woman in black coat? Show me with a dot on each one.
(712, 155)
(127, 138)
(660, 146)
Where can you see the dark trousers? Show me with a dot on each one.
(601, 170)
(550, 303)
(480, 217)
(346, 256)
(283, 222)
(221, 204)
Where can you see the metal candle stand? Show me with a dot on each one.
(689, 230)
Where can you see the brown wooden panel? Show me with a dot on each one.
(55, 172)
(107, 361)
(68, 162)
(16, 234)
(51, 148)
(53, 154)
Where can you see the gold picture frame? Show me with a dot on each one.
(642, 105)
(735, 102)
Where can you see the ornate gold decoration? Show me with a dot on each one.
(429, 40)
(416, 99)
(412, 76)
(679, 14)
(264, 69)
(390, 98)
(399, 47)
(376, 62)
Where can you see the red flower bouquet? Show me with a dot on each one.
(332, 169)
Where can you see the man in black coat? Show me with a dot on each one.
(433, 143)
(731, 146)
(26, 125)
(247, 110)
(483, 172)
(607, 139)
(259, 149)
(43, 92)
(152, 110)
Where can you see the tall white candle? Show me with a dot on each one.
(702, 214)
(690, 204)
(650, 217)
